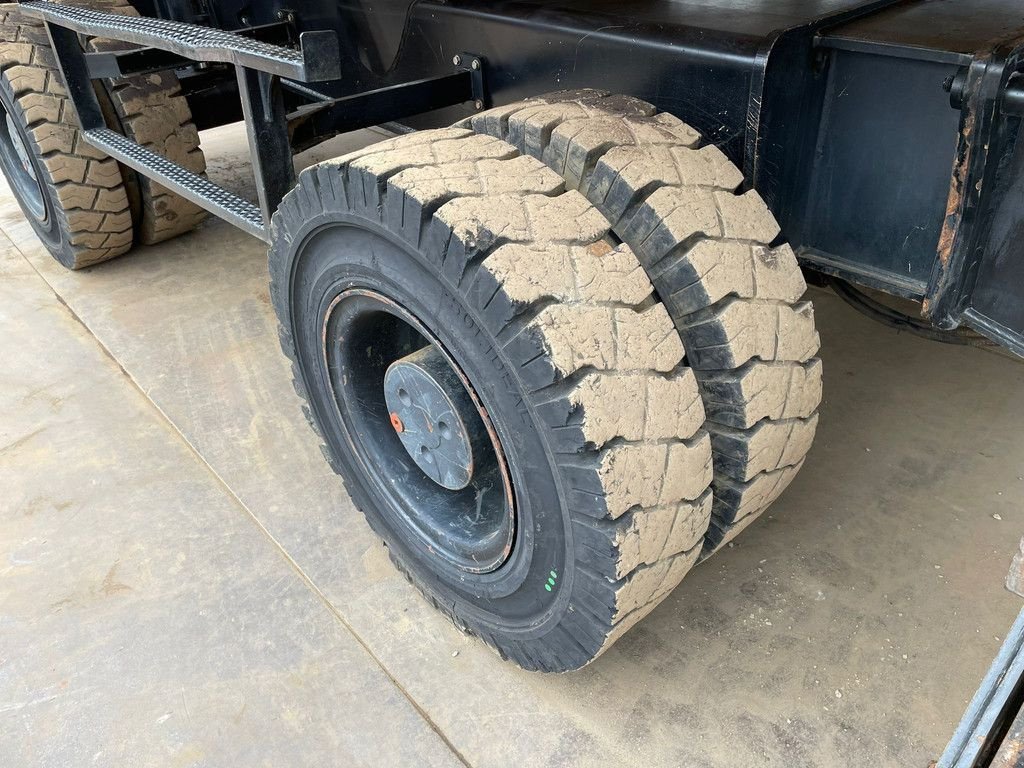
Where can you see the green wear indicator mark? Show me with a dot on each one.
(551, 581)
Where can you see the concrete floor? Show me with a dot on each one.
(183, 581)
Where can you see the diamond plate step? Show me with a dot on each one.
(200, 191)
(317, 60)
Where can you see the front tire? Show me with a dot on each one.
(456, 241)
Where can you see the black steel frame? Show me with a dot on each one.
(265, 74)
(794, 107)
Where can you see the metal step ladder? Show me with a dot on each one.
(316, 60)
(259, 67)
(202, 192)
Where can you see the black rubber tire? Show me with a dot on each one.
(710, 250)
(152, 111)
(87, 218)
(577, 365)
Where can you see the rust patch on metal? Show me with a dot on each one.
(954, 202)
(1011, 754)
(396, 422)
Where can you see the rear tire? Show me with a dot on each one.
(72, 194)
(711, 253)
(575, 364)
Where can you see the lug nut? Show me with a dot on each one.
(456, 60)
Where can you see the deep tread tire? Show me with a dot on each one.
(709, 250)
(88, 220)
(151, 111)
(572, 320)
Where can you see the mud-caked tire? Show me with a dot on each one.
(152, 111)
(712, 253)
(72, 194)
(573, 362)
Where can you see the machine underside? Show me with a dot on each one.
(883, 135)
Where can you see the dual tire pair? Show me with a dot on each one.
(626, 322)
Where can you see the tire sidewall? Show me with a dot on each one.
(51, 231)
(328, 254)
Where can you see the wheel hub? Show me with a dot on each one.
(430, 409)
(402, 398)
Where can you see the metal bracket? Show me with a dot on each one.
(318, 121)
(474, 64)
(267, 130)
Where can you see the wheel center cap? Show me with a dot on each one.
(433, 416)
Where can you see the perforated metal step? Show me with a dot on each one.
(200, 191)
(317, 60)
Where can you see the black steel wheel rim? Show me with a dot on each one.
(468, 521)
(20, 168)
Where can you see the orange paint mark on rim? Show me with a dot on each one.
(397, 423)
